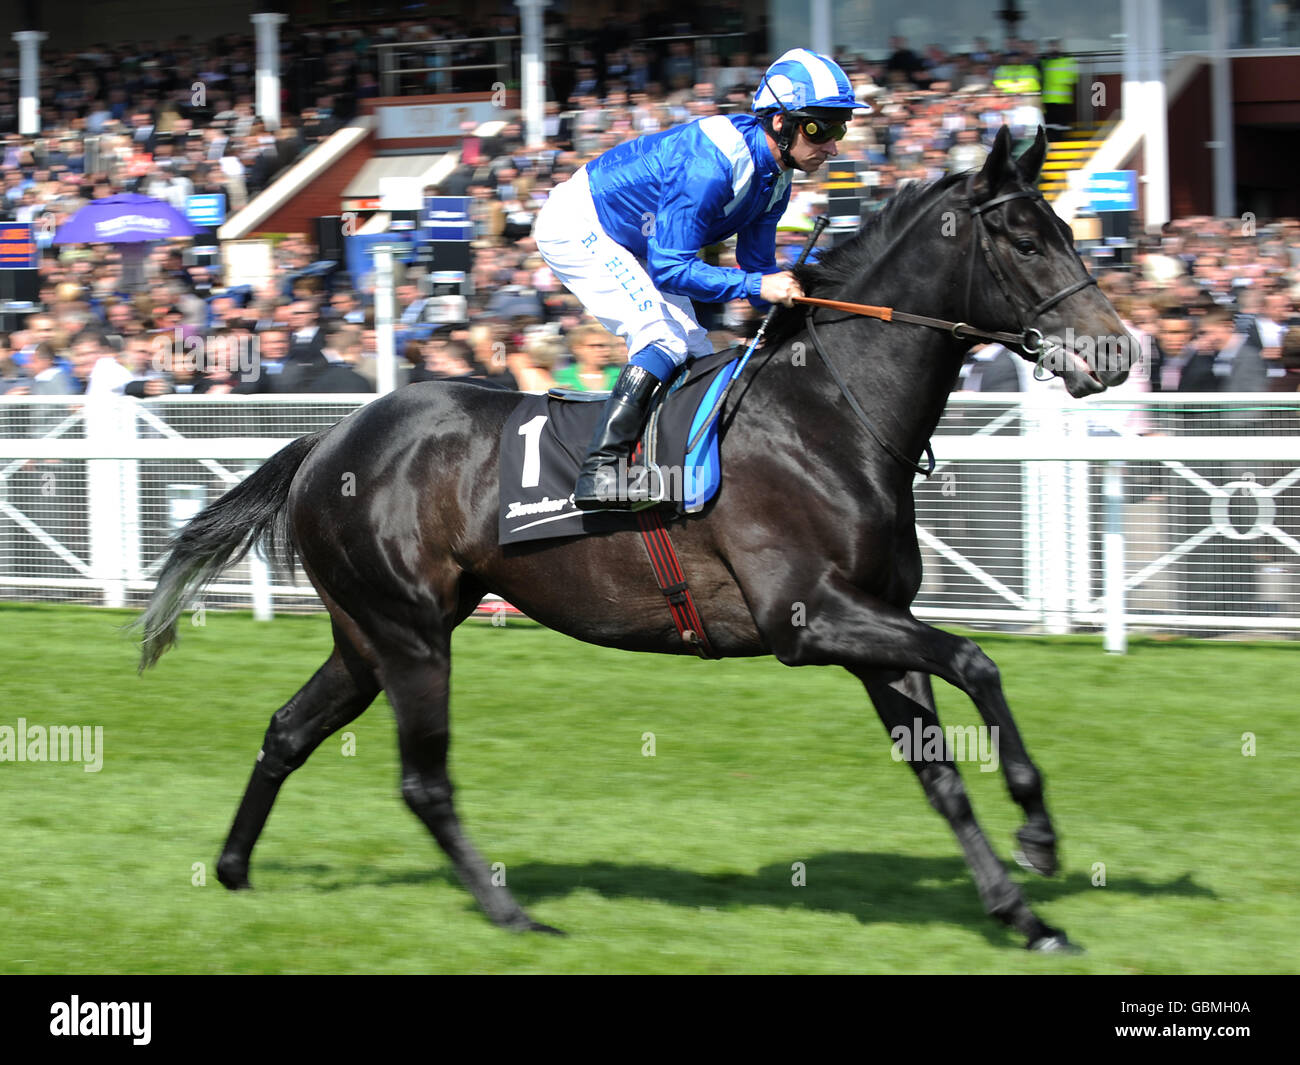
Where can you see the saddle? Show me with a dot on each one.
(545, 441)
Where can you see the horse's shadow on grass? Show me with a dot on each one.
(870, 887)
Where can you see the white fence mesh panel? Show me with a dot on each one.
(1011, 525)
(79, 528)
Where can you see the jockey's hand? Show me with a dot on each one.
(780, 288)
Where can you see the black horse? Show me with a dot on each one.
(815, 510)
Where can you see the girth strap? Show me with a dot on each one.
(672, 582)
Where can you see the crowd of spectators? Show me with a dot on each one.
(1217, 298)
(1211, 304)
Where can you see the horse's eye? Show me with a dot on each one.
(1025, 247)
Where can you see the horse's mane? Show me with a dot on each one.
(845, 264)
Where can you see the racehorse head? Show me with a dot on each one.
(1035, 283)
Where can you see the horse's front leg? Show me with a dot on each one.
(904, 700)
(893, 653)
(909, 644)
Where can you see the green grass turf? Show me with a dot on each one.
(681, 862)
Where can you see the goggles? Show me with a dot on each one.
(820, 130)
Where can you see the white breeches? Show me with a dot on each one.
(610, 281)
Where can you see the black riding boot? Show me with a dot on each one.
(620, 423)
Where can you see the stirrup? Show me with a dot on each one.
(605, 492)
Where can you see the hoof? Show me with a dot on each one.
(234, 877)
(1056, 943)
(1037, 852)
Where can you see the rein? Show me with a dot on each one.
(1030, 340)
(959, 330)
(856, 407)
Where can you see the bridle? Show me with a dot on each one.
(1029, 339)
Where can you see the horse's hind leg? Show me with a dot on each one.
(338, 693)
(418, 689)
(903, 699)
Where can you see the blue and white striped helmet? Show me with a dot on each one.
(804, 81)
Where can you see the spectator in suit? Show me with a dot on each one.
(1243, 369)
(272, 347)
(517, 300)
(289, 144)
(147, 380)
(347, 308)
(305, 356)
(1272, 318)
(144, 134)
(343, 351)
(96, 368)
(41, 329)
(446, 360)
(434, 363)
(43, 377)
(411, 305)
(1174, 332)
(992, 368)
(307, 341)
(458, 182)
(219, 374)
(1290, 359)
(221, 309)
(905, 65)
(1213, 334)
(1224, 359)
(367, 365)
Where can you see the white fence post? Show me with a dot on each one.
(1116, 638)
(1036, 559)
(112, 497)
(259, 576)
(386, 351)
(1077, 549)
(1048, 547)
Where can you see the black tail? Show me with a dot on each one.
(250, 513)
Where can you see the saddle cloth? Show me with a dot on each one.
(546, 438)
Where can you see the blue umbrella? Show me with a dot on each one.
(128, 218)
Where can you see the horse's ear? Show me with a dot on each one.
(1031, 159)
(999, 168)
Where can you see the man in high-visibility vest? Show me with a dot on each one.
(1059, 77)
(1016, 76)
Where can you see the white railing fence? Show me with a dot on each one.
(1173, 512)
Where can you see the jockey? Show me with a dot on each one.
(624, 233)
